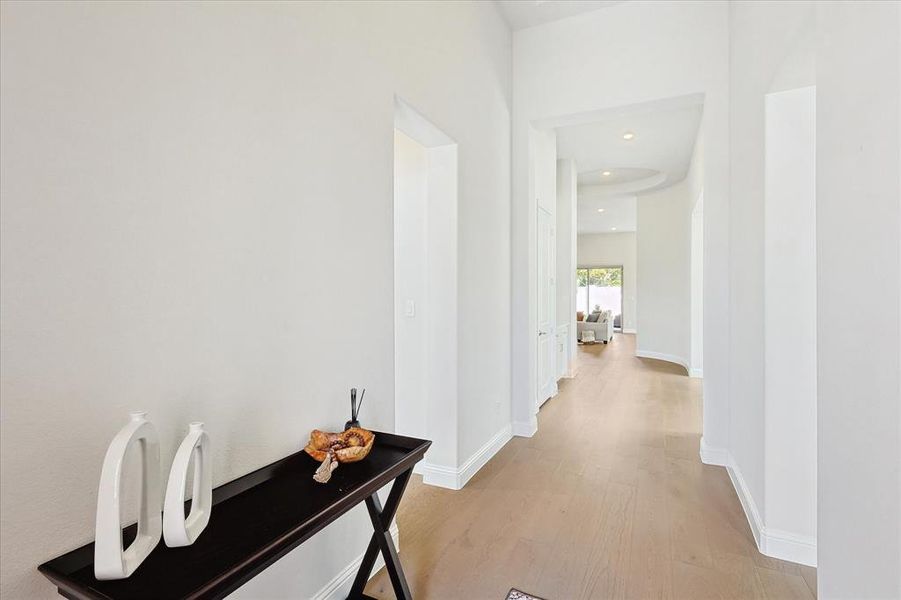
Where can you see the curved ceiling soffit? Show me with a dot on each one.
(645, 184)
(614, 175)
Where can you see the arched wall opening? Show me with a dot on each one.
(425, 290)
(671, 249)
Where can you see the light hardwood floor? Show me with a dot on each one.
(608, 500)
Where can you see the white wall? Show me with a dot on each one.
(664, 274)
(426, 316)
(444, 318)
(567, 202)
(695, 179)
(411, 310)
(189, 191)
(697, 288)
(628, 53)
(858, 217)
(545, 168)
(762, 37)
(790, 323)
(670, 268)
(600, 249)
(541, 189)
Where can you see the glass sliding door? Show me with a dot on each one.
(600, 288)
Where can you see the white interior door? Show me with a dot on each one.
(547, 382)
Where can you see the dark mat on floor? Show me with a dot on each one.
(515, 594)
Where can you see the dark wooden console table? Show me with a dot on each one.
(256, 520)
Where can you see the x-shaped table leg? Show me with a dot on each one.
(381, 541)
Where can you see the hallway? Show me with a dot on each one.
(608, 500)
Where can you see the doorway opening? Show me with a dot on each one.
(600, 289)
(629, 250)
(425, 289)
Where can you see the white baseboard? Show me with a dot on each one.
(789, 546)
(661, 356)
(774, 543)
(438, 475)
(714, 456)
(696, 373)
(455, 479)
(484, 454)
(629, 330)
(747, 503)
(339, 587)
(525, 428)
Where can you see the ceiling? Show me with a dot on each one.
(615, 176)
(658, 156)
(528, 13)
(620, 212)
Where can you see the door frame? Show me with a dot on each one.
(548, 389)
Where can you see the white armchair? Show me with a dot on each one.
(602, 328)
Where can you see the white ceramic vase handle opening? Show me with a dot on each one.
(179, 530)
(110, 560)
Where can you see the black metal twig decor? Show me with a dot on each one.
(354, 408)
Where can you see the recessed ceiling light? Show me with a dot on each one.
(613, 229)
(600, 210)
(628, 135)
(606, 173)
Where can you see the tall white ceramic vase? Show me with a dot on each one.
(110, 560)
(177, 529)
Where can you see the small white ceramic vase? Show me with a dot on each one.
(110, 560)
(177, 529)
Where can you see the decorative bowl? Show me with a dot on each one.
(349, 446)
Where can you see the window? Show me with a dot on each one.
(600, 288)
